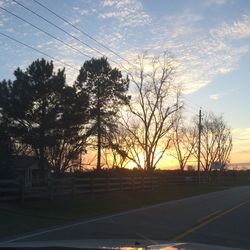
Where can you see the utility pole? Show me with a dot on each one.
(199, 148)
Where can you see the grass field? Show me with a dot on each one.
(18, 218)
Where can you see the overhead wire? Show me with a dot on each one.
(37, 50)
(82, 31)
(45, 32)
(195, 104)
(56, 26)
(66, 32)
(76, 38)
(189, 110)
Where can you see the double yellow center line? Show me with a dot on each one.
(208, 219)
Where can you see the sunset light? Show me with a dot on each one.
(124, 124)
(208, 56)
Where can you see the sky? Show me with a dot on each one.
(210, 39)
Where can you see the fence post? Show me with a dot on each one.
(50, 187)
(92, 185)
(73, 187)
(121, 184)
(143, 183)
(107, 184)
(158, 182)
(22, 189)
(132, 182)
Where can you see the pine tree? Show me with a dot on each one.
(107, 91)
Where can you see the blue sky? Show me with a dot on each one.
(209, 39)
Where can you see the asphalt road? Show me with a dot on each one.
(220, 218)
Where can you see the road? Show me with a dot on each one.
(220, 218)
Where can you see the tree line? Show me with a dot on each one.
(137, 118)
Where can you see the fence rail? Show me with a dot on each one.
(16, 190)
(71, 186)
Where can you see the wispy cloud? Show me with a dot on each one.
(214, 96)
(217, 96)
(241, 142)
(241, 138)
(129, 13)
(202, 53)
(216, 2)
(236, 30)
(84, 11)
(2, 3)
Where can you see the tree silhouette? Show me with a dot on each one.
(150, 115)
(71, 133)
(216, 142)
(183, 140)
(6, 143)
(41, 110)
(107, 90)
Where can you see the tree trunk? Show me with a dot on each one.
(99, 142)
(41, 164)
(99, 147)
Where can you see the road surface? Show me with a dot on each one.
(220, 218)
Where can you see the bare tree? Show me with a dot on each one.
(225, 144)
(131, 132)
(151, 110)
(115, 153)
(63, 155)
(216, 142)
(184, 140)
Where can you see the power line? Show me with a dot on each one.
(188, 108)
(78, 29)
(194, 104)
(66, 32)
(45, 32)
(83, 32)
(39, 51)
(189, 111)
(51, 23)
(187, 104)
(76, 38)
(191, 102)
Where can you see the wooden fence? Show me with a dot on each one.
(16, 190)
(10, 190)
(73, 186)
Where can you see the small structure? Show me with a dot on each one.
(216, 166)
(27, 168)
